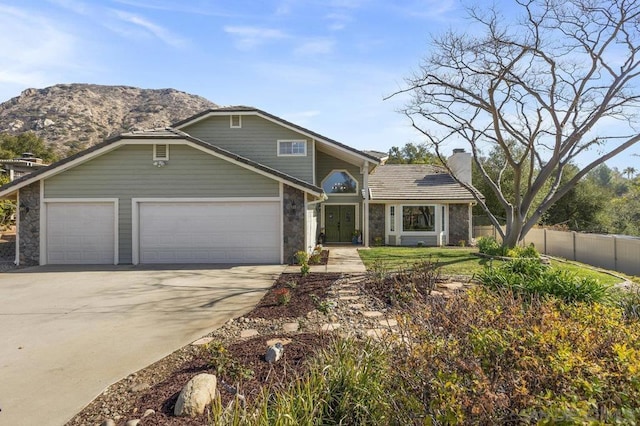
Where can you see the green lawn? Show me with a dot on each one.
(455, 261)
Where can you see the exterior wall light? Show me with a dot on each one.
(160, 163)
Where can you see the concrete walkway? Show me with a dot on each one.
(342, 259)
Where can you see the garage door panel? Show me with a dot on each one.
(209, 232)
(80, 233)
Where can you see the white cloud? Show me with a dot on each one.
(35, 51)
(314, 47)
(149, 28)
(338, 21)
(429, 9)
(250, 37)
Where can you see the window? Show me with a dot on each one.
(340, 182)
(292, 148)
(160, 152)
(392, 218)
(418, 218)
(235, 121)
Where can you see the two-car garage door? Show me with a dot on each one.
(166, 232)
(209, 232)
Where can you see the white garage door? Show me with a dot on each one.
(80, 233)
(209, 232)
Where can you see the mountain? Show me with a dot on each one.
(71, 117)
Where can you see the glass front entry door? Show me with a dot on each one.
(340, 223)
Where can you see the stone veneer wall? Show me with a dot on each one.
(293, 221)
(29, 227)
(376, 222)
(458, 223)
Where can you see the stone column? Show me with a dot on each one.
(29, 225)
(293, 212)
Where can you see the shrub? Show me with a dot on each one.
(489, 246)
(302, 257)
(404, 286)
(629, 301)
(345, 386)
(283, 295)
(487, 358)
(528, 276)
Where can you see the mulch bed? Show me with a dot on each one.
(306, 292)
(250, 354)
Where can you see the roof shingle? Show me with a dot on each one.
(415, 182)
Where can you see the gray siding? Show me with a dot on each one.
(257, 139)
(427, 240)
(325, 164)
(128, 172)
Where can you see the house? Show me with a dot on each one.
(228, 185)
(24, 165)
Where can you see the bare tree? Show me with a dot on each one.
(535, 88)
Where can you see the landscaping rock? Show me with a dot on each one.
(202, 341)
(196, 395)
(133, 422)
(148, 413)
(249, 333)
(108, 422)
(274, 353)
(283, 341)
(291, 327)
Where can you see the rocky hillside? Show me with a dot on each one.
(71, 117)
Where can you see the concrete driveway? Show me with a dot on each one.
(68, 333)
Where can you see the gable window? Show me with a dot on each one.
(160, 152)
(418, 218)
(235, 121)
(292, 148)
(340, 182)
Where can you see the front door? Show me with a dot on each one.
(340, 223)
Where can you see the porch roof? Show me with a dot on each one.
(416, 182)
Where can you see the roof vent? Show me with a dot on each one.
(458, 150)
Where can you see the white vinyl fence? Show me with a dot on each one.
(615, 252)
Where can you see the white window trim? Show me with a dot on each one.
(346, 194)
(239, 126)
(281, 141)
(155, 154)
(400, 224)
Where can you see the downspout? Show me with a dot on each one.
(365, 205)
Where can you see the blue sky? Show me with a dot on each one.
(325, 65)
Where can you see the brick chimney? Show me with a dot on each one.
(460, 165)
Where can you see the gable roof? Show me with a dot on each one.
(255, 111)
(416, 182)
(164, 134)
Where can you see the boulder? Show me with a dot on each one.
(196, 395)
(274, 353)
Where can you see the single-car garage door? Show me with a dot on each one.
(209, 232)
(80, 233)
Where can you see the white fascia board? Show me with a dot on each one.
(417, 202)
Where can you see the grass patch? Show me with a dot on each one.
(459, 261)
(453, 261)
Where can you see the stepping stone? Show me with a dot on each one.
(283, 341)
(389, 322)
(202, 341)
(347, 292)
(250, 332)
(356, 306)
(452, 286)
(349, 298)
(291, 327)
(376, 333)
(372, 314)
(330, 327)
